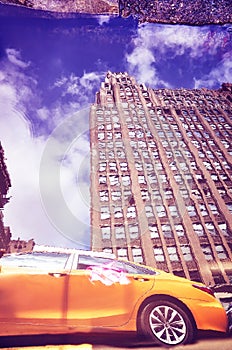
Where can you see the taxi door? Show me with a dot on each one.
(102, 295)
(32, 299)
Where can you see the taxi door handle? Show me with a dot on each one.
(141, 279)
(57, 274)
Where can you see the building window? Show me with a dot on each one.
(102, 155)
(173, 210)
(116, 195)
(184, 167)
(198, 229)
(207, 252)
(191, 210)
(139, 166)
(152, 178)
(186, 251)
(131, 212)
(221, 252)
(105, 230)
(136, 154)
(195, 276)
(122, 253)
(111, 155)
(112, 165)
(178, 179)
(142, 144)
(124, 166)
(211, 228)
(162, 178)
(197, 194)
(156, 195)
(179, 230)
(126, 180)
(118, 214)
(145, 194)
(159, 254)
(105, 213)
(133, 231)
(193, 165)
(153, 231)
(101, 136)
(149, 166)
(158, 166)
(160, 211)
(137, 255)
(102, 166)
(113, 180)
(184, 193)
(229, 205)
(224, 229)
(167, 231)
(119, 232)
(168, 194)
(214, 177)
(149, 211)
(104, 197)
(120, 153)
(108, 250)
(127, 194)
(141, 179)
(173, 255)
(102, 180)
(218, 278)
(203, 210)
(214, 209)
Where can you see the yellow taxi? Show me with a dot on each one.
(95, 292)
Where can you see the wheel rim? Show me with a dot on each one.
(167, 325)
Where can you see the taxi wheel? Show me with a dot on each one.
(167, 323)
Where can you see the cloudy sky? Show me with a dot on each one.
(50, 71)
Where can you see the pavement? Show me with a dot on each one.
(207, 341)
(226, 345)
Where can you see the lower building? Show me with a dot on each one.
(70, 6)
(5, 184)
(161, 187)
(20, 246)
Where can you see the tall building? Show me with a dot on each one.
(161, 187)
(4, 187)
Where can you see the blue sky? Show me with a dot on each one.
(50, 71)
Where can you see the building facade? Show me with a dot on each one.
(20, 246)
(161, 187)
(5, 184)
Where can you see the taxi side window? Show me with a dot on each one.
(85, 261)
(128, 267)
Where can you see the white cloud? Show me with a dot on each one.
(177, 37)
(143, 59)
(103, 19)
(88, 79)
(7, 92)
(23, 213)
(80, 87)
(28, 212)
(43, 113)
(154, 43)
(218, 75)
(73, 94)
(14, 57)
(65, 157)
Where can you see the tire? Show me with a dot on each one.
(167, 323)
